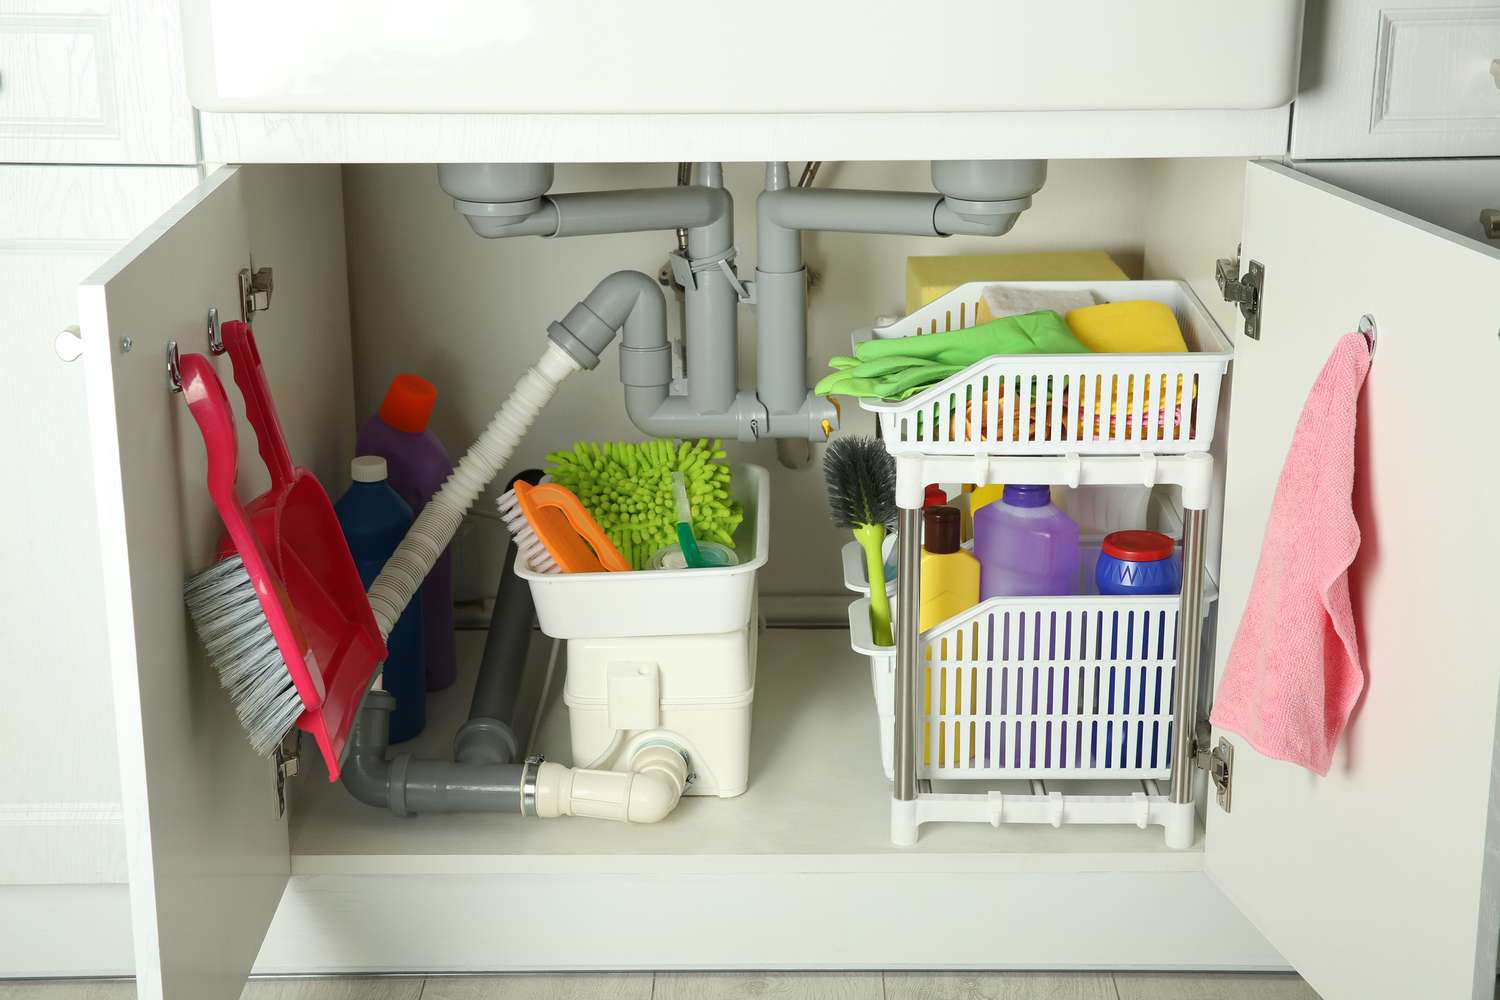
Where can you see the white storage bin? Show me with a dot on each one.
(1036, 687)
(1086, 404)
(660, 601)
(696, 692)
(664, 654)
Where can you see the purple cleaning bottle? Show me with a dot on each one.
(1025, 545)
(418, 466)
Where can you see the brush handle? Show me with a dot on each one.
(210, 409)
(870, 538)
(260, 409)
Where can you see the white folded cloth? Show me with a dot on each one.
(1006, 300)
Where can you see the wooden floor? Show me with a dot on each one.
(734, 985)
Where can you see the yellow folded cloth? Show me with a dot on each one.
(1143, 327)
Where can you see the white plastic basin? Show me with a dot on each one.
(772, 56)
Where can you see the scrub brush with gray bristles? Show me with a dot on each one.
(861, 478)
(227, 615)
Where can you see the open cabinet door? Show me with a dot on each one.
(206, 840)
(1382, 879)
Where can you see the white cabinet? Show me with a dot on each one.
(60, 818)
(1336, 873)
(1408, 78)
(93, 81)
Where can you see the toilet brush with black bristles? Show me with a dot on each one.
(861, 478)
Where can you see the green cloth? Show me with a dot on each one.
(895, 369)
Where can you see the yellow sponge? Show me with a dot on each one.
(1142, 327)
(929, 277)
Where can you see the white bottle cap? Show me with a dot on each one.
(368, 469)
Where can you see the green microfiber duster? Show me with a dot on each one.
(627, 487)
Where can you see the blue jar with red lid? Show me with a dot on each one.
(1138, 563)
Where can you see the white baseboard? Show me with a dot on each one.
(65, 931)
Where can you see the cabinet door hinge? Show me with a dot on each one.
(1242, 290)
(1218, 761)
(252, 284)
(1489, 220)
(287, 759)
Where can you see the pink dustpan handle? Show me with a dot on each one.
(259, 407)
(210, 409)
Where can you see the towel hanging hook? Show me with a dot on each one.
(1367, 330)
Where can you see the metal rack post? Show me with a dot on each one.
(1189, 652)
(908, 640)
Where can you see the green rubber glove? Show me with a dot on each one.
(1032, 333)
(889, 378)
(901, 367)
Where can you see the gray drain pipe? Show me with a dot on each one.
(973, 197)
(632, 304)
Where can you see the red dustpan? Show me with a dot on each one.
(329, 639)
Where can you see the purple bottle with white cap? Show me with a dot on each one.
(1025, 545)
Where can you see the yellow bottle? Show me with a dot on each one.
(950, 575)
(983, 495)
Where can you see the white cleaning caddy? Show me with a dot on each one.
(664, 654)
(1038, 689)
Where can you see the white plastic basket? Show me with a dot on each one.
(661, 601)
(1085, 404)
(1035, 687)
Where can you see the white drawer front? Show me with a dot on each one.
(56, 75)
(1399, 79)
(1433, 70)
(93, 81)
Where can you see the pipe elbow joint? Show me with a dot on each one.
(365, 778)
(661, 776)
(365, 772)
(647, 793)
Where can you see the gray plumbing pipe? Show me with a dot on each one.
(632, 304)
(407, 785)
(489, 736)
(485, 777)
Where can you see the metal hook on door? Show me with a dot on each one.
(1367, 330)
(215, 338)
(174, 367)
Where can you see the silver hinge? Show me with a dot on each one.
(253, 283)
(1243, 290)
(1218, 761)
(1489, 220)
(287, 766)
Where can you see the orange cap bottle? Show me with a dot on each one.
(408, 403)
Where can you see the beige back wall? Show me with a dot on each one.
(429, 296)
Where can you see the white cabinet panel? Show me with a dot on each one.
(1408, 78)
(59, 798)
(1379, 881)
(93, 81)
(775, 56)
(206, 848)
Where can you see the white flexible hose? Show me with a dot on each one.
(425, 541)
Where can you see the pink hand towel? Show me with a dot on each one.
(1294, 674)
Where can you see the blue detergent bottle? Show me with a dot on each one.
(374, 519)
